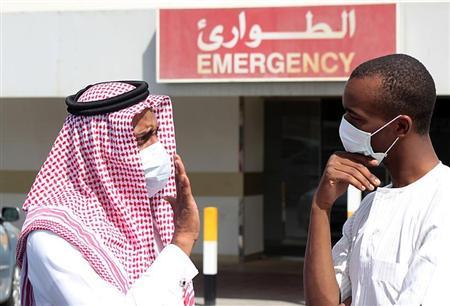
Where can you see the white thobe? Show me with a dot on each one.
(395, 249)
(61, 276)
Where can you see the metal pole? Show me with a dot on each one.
(210, 233)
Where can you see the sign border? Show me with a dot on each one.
(160, 80)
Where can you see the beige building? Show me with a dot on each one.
(253, 149)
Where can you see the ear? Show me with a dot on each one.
(403, 125)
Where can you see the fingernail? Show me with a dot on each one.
(363, 188)
(377, 181)
(371, 187)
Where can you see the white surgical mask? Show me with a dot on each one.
(358, 141)
(157, 167)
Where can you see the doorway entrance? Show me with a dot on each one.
(300, 136)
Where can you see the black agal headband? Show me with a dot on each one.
(132, 97)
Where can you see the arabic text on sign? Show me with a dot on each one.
(256, 35)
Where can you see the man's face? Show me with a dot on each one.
(362, 110)
(145, 128)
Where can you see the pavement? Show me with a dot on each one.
(248, 302)
(267, 281)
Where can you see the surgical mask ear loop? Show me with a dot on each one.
(385, 125)
(385, 153)
(395, 141)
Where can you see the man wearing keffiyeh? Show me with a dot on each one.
(111, 219)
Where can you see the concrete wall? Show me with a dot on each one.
(207, 132)
(28, 128)
(424, 32)
(208, 139)
(48, 54)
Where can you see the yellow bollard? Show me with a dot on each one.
(210, 235)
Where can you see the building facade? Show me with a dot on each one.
(254, 146)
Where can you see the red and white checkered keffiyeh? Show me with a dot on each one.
(91, 191)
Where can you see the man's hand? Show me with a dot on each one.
(187, 219)
(319, 278)
(343, 169)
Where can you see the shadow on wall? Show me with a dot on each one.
(149, 62)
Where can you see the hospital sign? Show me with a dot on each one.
(271, 44)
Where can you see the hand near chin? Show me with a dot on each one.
(344, 169)
(186, 215)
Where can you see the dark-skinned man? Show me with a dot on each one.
(395, 248)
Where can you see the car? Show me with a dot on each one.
(9, 271)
